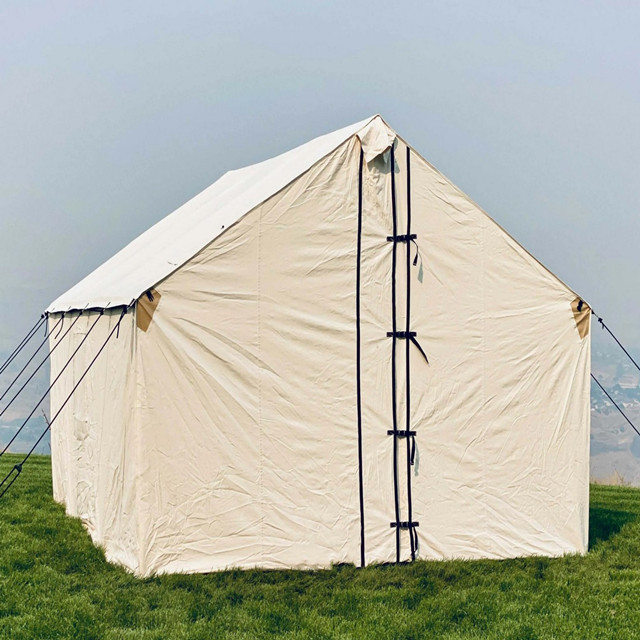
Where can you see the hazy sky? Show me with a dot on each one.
(113, 114)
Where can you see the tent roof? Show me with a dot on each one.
(174, 240)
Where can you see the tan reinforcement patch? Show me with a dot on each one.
(147, 305)
(581, 314)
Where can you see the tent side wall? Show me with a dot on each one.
(248, 421)
(93, 448)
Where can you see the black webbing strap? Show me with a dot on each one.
(23, 343)
(415, 260)
(17, 469)
(420, 349)
(408, 237)
(394, 399)
(402, 335)
(412, 337)
(413, 534)
(358, 364)
(404, 524)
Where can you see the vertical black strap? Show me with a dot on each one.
(394, 407)
(407, 361)
(358, 369)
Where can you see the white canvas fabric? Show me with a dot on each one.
(219, 429)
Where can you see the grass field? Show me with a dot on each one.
(55, 584)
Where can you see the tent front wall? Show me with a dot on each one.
(222, 431)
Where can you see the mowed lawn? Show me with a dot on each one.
(55, 584)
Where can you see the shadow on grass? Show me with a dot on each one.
(604, 523)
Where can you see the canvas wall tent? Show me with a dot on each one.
(252, 409)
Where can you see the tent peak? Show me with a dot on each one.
(376, 137)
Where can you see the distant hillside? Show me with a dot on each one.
(615, 446)
(14, 416)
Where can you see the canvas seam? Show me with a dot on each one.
(484, 368)
(260, 373)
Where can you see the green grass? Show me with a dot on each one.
(55, 584)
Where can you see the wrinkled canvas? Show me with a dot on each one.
(220, 429)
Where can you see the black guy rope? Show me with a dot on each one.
(29, 361)
(17, 469)
(22, 426)
(28, 380)
(23, 343)
(615, 404)
(606, 328)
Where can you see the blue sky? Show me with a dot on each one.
(113, 114)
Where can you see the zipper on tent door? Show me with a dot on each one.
(409, 336)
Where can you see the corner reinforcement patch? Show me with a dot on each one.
(581, 313)
(146, 307)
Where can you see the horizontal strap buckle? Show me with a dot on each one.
(401, 434)
(404, 525)
(404, 238)
(403, 335)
